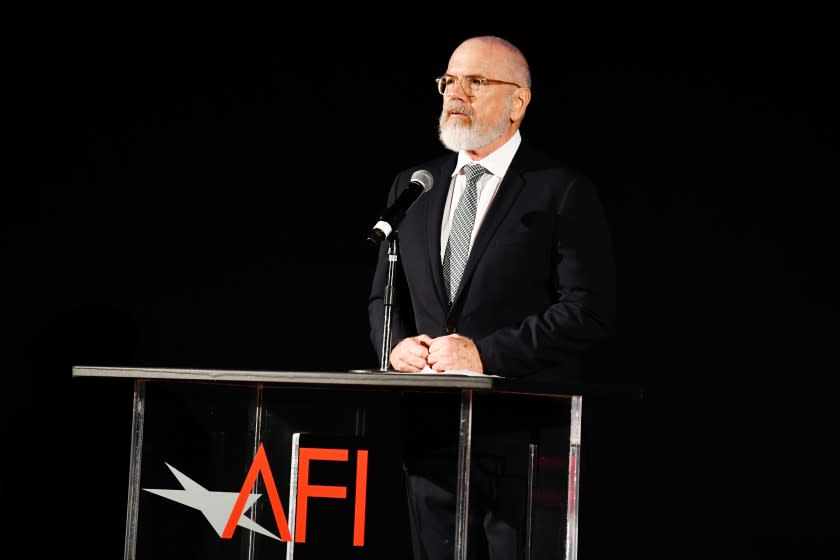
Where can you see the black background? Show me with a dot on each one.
(194, 190)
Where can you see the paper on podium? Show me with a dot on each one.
(464, 372)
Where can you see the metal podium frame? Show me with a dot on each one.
(466, 383)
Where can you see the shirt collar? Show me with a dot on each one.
(496, 163)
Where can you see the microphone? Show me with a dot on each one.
(421, 181)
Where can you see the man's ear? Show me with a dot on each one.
(521, 98)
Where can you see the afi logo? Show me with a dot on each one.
(225, 510)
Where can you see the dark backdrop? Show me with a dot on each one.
(197, 194)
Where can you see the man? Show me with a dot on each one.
(506, 269)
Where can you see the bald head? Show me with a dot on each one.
(501, 58)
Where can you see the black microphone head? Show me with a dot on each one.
(392, 216)
(423, 178)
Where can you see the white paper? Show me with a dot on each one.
(464, 372)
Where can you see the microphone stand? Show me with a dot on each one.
(393, 257)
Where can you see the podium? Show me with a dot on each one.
(253, 465)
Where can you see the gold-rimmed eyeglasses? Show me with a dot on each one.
(471, 85)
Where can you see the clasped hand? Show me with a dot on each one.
(444, 353)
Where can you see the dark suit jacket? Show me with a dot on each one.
(538, 290)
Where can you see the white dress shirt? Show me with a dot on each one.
(496, 165)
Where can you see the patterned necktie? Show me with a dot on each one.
(458, 246)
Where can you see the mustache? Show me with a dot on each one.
(457, 107)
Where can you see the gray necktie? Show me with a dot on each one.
(458, 246)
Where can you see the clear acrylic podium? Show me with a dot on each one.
(254, 465)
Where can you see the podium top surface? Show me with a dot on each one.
(354, 377)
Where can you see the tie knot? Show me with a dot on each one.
(473, 172)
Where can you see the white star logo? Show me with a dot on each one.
(216, 506)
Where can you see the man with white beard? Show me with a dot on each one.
(506, 269)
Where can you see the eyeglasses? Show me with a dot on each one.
(471, 85)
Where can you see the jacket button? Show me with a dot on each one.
(449, 328)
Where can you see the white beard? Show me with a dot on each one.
(459, 136)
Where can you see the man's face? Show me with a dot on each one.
(469, 122)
